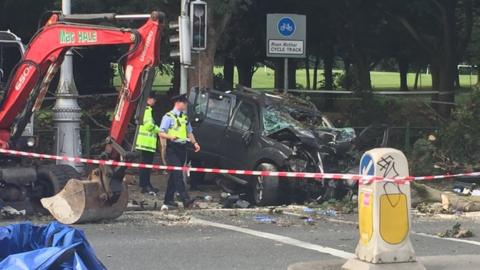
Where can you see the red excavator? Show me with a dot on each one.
(103, 195)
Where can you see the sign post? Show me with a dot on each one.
(66, 112)
(286, 38)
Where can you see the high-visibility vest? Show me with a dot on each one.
(147, 132)
(179, 127)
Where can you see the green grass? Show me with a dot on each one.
(265, 78)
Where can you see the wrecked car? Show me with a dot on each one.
(250, 130)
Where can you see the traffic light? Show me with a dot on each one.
(180, 40)
(198, 24)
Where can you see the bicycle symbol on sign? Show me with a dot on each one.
(286, 26)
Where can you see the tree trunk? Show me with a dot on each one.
(478, 75)
(204, 61)
(315, 72)
(452, 201)
(245, 73)
(417, 77)
(307, 72)
(361, 71)
(443, 80)
(457, 79)
(328, 71)
(347, 74)
(403, 69)
(228, 72)
(361, 77)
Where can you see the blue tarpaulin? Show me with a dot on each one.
(53, 246)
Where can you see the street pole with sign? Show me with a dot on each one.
(190, 33)
(286, 38)
(66, 112)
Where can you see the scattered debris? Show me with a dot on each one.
(234, 201)
(456, 202)
(274, 210)
(456, 232)
(309, 221)
(241, 204)
(130, 179)
(476, 192)
(328, 213)
(10, 212)
(201, 205)
(431, 208)
(264, 219)
(308, 210)
(464, 188)
(225, 195)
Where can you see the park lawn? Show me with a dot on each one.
(265, 78)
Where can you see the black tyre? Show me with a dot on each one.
(266, 189)
(53, 178)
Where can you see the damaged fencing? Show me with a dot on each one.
(54, 246)
(364, 179)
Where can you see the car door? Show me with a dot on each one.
(241, 137)
(209, 119)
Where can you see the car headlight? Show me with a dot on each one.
(31, 142)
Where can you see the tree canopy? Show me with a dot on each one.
(357, 36)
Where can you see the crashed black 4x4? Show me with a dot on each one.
(251, 130)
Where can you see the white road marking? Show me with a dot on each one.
(278, 238)
(471, 242)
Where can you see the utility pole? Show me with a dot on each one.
(186, 36)
(67, 113)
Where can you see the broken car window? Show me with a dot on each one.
(201, 104)
(245, 117)
(218, 108)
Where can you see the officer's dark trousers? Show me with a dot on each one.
(146, 157)
(176, 155)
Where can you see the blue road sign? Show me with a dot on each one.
(286, 26)
(367, 166)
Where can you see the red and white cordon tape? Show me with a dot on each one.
(311, 175)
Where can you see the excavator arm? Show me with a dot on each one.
(104, 194)
(44, 54)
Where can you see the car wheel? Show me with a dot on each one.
(55, 177)
(51, 180)
(266, 189)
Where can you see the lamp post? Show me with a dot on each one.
(67, 113)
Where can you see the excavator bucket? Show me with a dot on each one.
(82, 201)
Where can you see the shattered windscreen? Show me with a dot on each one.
(276, 117)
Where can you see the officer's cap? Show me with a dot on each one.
(180, 98)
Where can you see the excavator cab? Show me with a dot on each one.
(11, 51)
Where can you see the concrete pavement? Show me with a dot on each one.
(151, 240)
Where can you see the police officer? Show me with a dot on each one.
(176, 129)
(146, 143)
